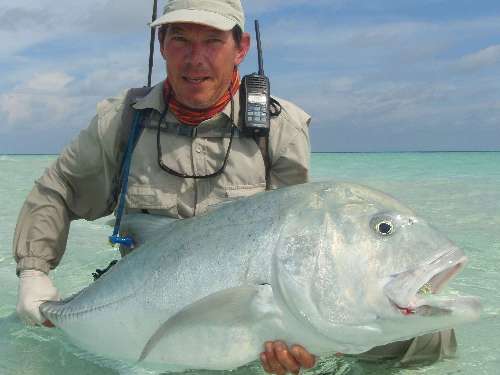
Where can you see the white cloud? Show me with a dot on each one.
(20, 18)
(119, 16)
(405, 40)
(263, 6)
(14, 110)
(97, 83)
(12, 42)
(45, 91)
(49, 82)
(375, 72)
(23, 25)
(40, 100)
(52, 99)
(27, 24)
(486, 57)
(36, 111)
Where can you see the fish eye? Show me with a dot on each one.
(383, 226)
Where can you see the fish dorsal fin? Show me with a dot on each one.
(217, 317)
(142, 227)
(223, 203)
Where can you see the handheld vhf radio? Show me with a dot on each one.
(255, 97)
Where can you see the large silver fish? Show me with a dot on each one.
(335, 267)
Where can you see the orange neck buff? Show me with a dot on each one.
(194, 117)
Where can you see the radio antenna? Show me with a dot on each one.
(259, 48)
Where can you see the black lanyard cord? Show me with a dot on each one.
(183, 175)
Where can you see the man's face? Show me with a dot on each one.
(200, 62)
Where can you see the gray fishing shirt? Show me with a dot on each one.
(83, 181)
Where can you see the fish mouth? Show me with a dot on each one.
(415, 292)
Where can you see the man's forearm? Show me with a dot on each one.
(41, 231)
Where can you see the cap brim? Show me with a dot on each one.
(196, 16)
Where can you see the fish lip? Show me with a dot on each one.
(438, 272)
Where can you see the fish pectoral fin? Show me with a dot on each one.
(221, 323)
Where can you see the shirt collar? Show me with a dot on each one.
(154, 100)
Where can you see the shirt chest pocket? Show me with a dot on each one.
(240, 191)
(245, 171)
(151, 198)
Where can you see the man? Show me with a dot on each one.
(186, 159)
(203, 43)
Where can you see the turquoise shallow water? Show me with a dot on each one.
(459, 193)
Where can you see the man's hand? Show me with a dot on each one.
(35, 287)
(278, 359)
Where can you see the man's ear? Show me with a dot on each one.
(161, 43)
(243, 48)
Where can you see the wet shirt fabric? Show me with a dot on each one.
(83, 181)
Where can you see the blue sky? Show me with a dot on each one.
(378, 75)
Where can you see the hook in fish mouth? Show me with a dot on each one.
(428, 281)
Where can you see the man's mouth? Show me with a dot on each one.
(195, 80)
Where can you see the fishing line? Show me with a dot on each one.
(152, 42)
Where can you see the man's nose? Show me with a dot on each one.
(196, 53)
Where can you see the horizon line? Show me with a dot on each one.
(315, 152)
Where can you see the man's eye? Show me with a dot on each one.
(214, 40)
(178, 38)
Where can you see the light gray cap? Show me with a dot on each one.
(219, 14)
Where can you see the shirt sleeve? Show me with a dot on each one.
(80, 184)
(290, 148)
(431, 347)
(422, 349)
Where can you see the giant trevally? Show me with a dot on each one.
(336, 267)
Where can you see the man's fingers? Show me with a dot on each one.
(265, 363)
(285, 358)
(272, 361)
(303, 357)
(278, 359)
